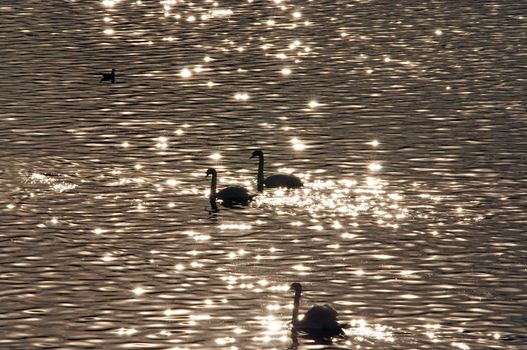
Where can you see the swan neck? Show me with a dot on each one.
(260, 173)
(296, 307)
(213, 185)
(213, 204)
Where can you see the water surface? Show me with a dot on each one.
(406, 122)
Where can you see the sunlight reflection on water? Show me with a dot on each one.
(404, 122)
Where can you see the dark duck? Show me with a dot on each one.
(109, 76)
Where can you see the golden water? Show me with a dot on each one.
(405, 120)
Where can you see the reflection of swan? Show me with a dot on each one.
(230, 195)
(319, 322)
(279, 180)
(109, 76)
(294, 340)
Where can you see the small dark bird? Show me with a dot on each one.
(109, 76)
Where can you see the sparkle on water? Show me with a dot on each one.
(390, 115)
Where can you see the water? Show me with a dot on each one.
(406, 122)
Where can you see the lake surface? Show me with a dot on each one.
(405, 120)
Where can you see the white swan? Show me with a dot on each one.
(320, 322)
(229, 195)
(278, 180)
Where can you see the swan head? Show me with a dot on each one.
(297, 287)
(257, 153)
(211, 171)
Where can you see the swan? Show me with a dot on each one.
(278, 180)
(320, 322)
(230, 195)
(109, 76)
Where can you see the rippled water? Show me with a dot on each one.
(405, 120)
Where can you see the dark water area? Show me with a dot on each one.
(406, 122)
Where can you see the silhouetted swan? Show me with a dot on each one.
(278, 180)
(109, 76)
(319, 322)
(230, 195)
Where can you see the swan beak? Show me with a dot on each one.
(251, 157)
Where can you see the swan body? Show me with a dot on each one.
(320, 321)
(109, 76)
(282, 180)
(230, 196)
(274, 181)
(320, 317)
(234, 194)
